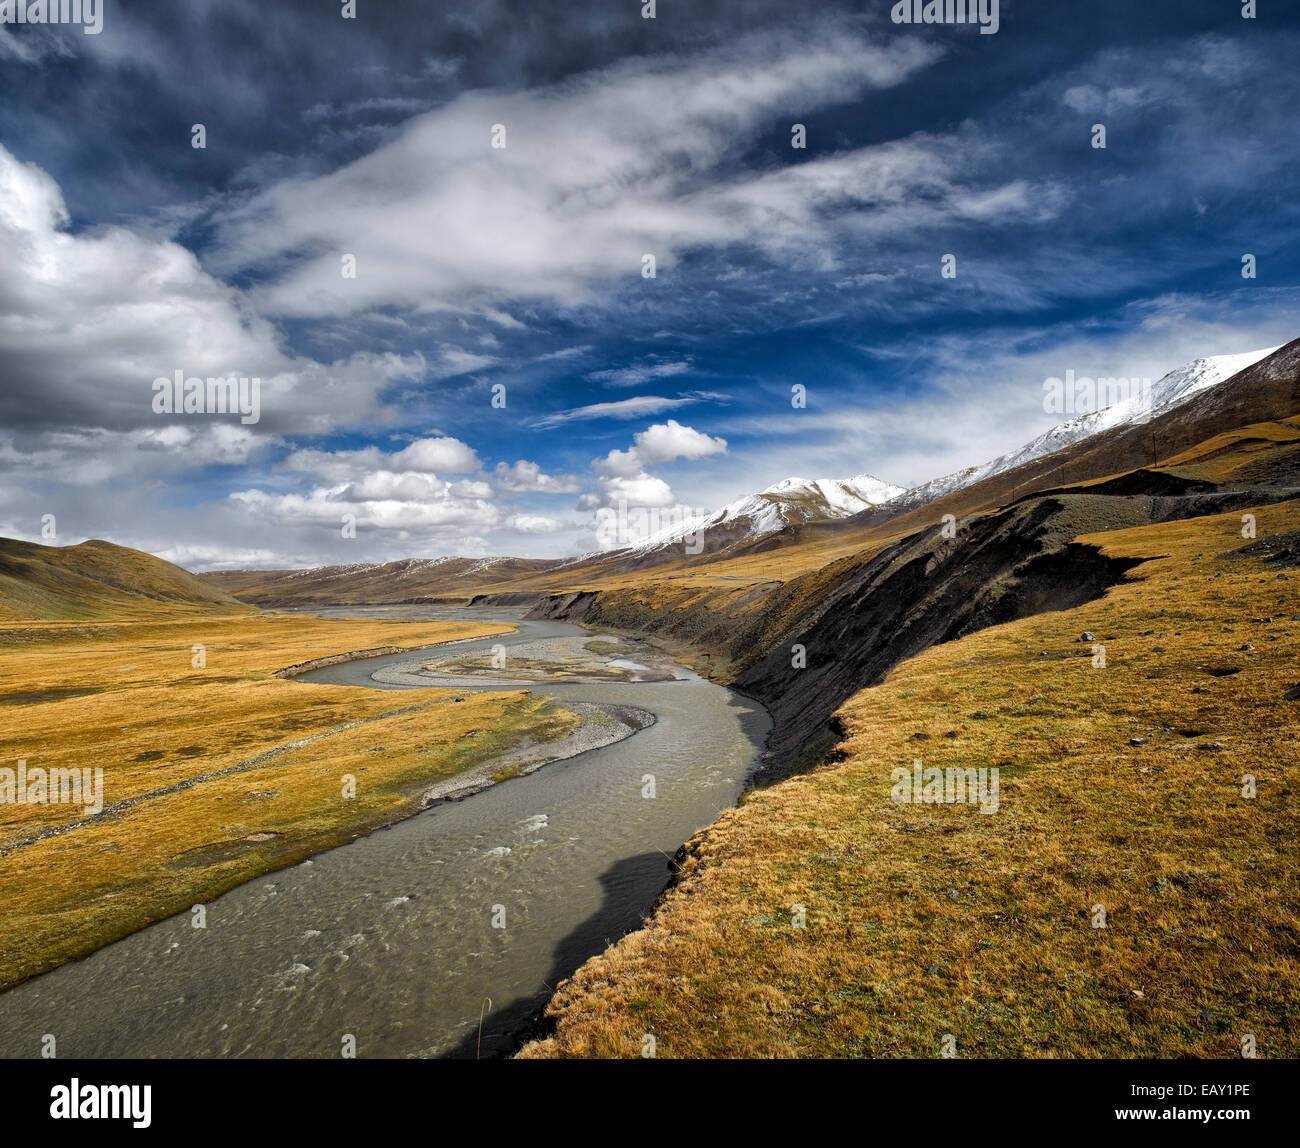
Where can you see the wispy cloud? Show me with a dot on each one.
(637, 407)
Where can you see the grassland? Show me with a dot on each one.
(215, 773)
(97, 580)
(1121, 787)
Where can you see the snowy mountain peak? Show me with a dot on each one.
(790, 502)
(842, 496)
(1168, 391)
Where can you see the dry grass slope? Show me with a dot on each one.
(99, 580)
(926, 920)
(212, 775)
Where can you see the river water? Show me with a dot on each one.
(393, 939)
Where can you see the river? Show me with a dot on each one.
(394, 940)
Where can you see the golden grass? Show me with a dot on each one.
(926, 920)
(125, 696)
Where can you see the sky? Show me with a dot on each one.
(424, 230)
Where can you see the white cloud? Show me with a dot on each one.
(327, 506)
(401, 496)
(538, 524)
(640, 373)
(596, 172)
(525, 477)
(89, 320)
(664, 442)
(197, 556)
(637, 407)
(623, 475)
(93, 456)
(429, 456)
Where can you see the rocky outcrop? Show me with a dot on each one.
(804, 647)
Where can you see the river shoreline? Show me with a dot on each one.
(603, 723)
(398, 926)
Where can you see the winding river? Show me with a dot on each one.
(394, 939)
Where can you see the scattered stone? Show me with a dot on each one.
(1245, 646)
(1137, 741)
(1206, 1015)
(1164, 613)
(1261, 619)
(934, 968)
(1086, 636)
(1211, 745)
(1158, 649)
(1146, 633)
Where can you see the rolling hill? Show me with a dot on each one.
(98, 579)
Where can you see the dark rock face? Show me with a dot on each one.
(858, 618)
(912, 596)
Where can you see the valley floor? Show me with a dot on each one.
(214, 770)
(1135, 894)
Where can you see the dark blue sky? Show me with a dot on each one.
(129, 254)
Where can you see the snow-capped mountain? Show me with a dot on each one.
(790, 502)
(1168, 391)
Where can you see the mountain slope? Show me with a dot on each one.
(98, 580)
(373, 583)
(790, 502)
(1264, 392)
(1167, 392)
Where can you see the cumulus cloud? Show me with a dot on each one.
(527, 477)
(429, 455)
(664, 442)
(399, 490)
(406, 494)
(88, 320)
(432, 508)
(538, 524)
(623, 475)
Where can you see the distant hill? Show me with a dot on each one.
(95, 580)
(373, 583)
